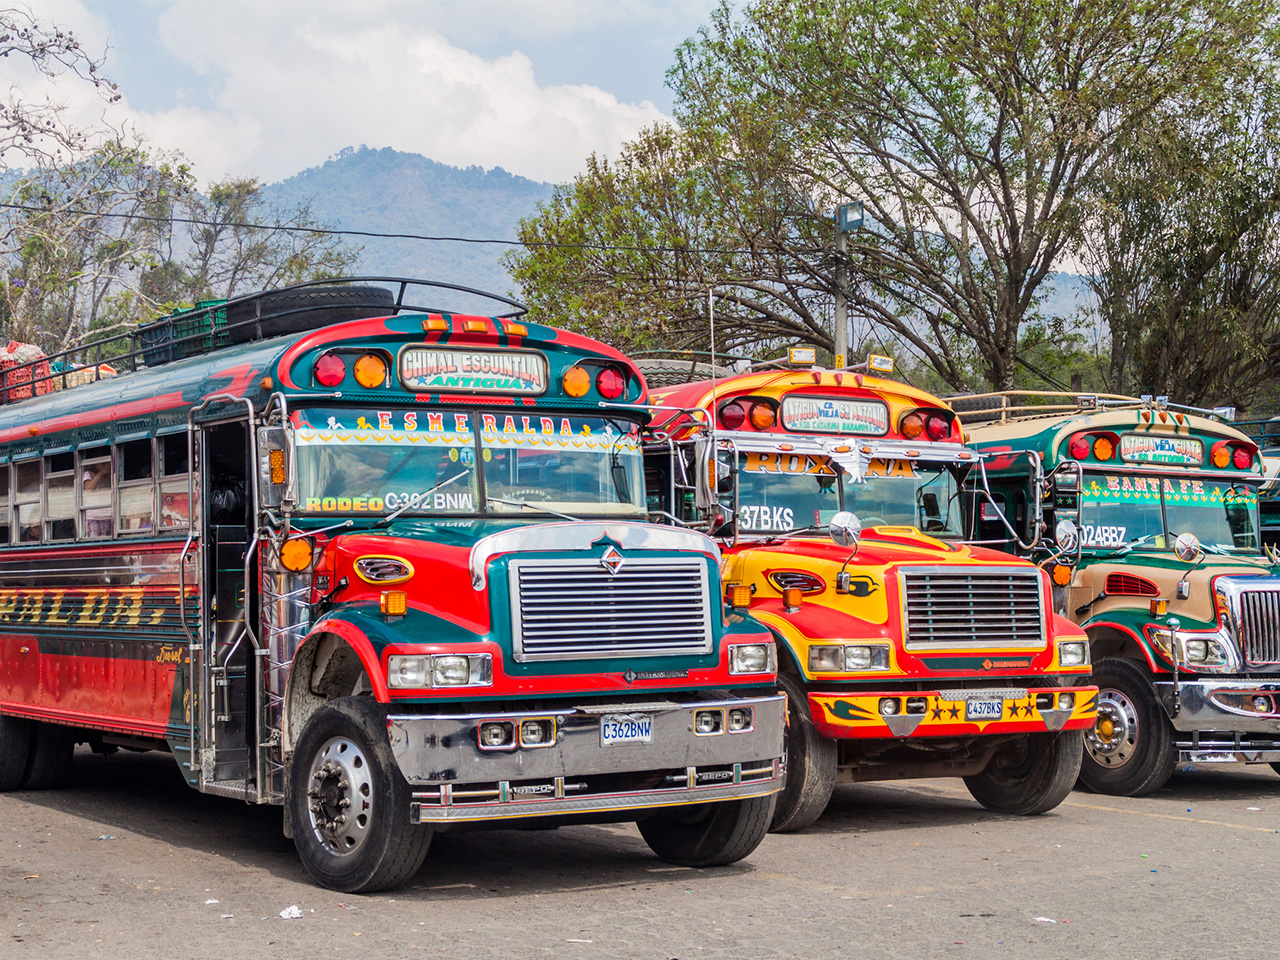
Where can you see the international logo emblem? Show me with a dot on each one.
(612, 560)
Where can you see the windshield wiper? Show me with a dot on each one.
(813, 527)
(533, 506)
(417, 498)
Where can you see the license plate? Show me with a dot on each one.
(983, 709)
(618, 728)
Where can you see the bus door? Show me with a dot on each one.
(228, 726)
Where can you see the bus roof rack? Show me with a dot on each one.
(213, 324)
(1004, 405)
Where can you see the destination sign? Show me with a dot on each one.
(438, 370)
(802, 414)
(1150, 448)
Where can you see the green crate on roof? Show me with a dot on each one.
(185, 333)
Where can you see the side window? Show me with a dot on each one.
(4, 504)
(27, 513)
(136, 502)
(60, 497)
(96, 483)
(175, 511)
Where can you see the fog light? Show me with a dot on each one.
(1197, 650)
(450, 671)
(857, 658)
(1066, 701)
(708, 722)
(497, 733)
(749, 657)
(1073, 653)
(740, 719)
(407, 671)
(1262, 704)
(536, 733)
(826, 659)
(888, 706)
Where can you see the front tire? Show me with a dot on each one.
(1130, 750)
(348, 803)
(708, 834)
(811, 764)
(1030, 775)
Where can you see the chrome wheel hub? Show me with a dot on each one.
(1114, 736)
(340, 796)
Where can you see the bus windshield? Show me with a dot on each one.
(1146, 513)
(426, 463)
(782, 492)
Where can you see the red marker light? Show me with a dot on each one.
(611, 383)
(330, 370)
(1079, 448)
(1242, 458)
(937, 427)
(732, 416)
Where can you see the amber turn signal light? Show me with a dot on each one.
(1159, 608)
(792, 597)
(295, 554)
(1061, 574)
(394, 603)
(737, 595)
(576, 381)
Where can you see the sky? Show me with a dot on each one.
(267, 88)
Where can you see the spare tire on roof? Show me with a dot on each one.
(670, 372)
(305, 308)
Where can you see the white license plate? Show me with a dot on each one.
(983, 709)
(618, 728)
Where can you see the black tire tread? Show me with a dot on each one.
(320, 306)
(1142, 779)
(405, 848)
(1055, 761)
(811, 771)
(15, 748)
(730, 832)
(49, 760)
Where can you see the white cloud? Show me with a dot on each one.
(293, 82)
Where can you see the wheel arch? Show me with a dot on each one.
(336, 660)
(1111, 641)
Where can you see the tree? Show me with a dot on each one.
(973, 131)
(36, 131)
(1183, 250)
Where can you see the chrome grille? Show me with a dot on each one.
(989, 607)
(567, 609)
(1260, 626)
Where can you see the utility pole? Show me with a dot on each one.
(848, 218)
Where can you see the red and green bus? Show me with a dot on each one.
(382, 564)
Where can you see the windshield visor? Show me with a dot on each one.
(435, 464)
(1147, 513)
(778, 492)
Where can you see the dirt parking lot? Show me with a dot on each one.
(127, 862)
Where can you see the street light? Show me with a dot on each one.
(848, 218)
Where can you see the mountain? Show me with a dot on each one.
(386, 191)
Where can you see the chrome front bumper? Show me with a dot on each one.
(1224, 726)
(454, 779)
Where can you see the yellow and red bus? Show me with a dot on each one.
(905, 651)
(384, 565)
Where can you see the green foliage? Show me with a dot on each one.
(976, 133)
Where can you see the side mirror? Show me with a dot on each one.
(705, 471)
(1067, 535)
(845, 528)
(1186, 547)
(276, 482)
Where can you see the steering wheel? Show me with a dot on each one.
(527, 493)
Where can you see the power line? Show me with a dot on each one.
(372, 234)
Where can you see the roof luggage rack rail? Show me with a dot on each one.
(214, 324)
(1002, 405)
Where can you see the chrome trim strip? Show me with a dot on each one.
(583, 535)
(1199, 707)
